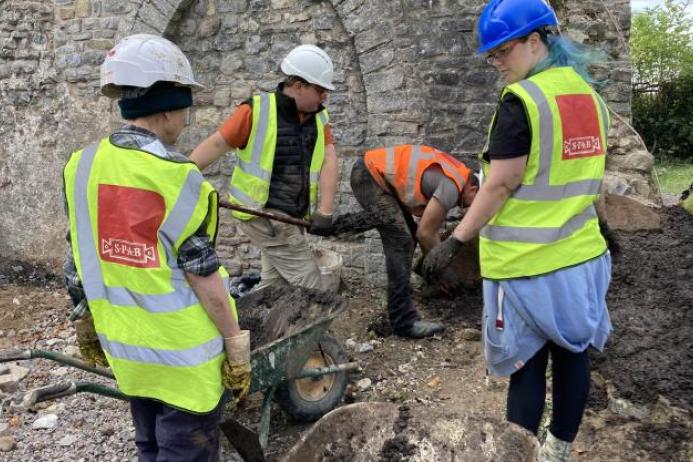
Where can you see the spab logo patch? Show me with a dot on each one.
(129, 219)
(581, 133)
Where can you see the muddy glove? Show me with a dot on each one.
(321, 225)
(440, 257)
(88, 341)
(235, 371)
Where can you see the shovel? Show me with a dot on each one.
(264, 214)
(244, 440)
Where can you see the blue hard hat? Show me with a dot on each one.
(504, 20)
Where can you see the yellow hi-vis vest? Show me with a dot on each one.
(550, 221)
(129, 213)
(250, 181)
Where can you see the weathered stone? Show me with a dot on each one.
(384, 81)
(627, 214)
(9, 382)
(7, 443)
(47, 421)
(209, 26)
(83, 8)
(100, 44)
(66, 13)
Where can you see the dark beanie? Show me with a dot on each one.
(160, 97)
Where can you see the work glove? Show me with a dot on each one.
(321, 225)
(440, 257)
(235, 371)
(88, 341)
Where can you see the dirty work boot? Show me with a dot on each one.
(554, 450)
(421, 329)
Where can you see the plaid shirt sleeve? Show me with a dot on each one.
(197, 255)
(70, 277)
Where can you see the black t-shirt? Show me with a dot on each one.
(510, 135)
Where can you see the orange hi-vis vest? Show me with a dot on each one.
(402, 167)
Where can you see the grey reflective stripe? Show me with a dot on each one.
(174, 225)
(554, 193)
(390, 165)
(176, 358)
(538, 235)
(453, 172)
(416, 157)
(314, 177)
(171, 230)
(541, 190)
(254, 167)
(91, 268)
(323, 117)
(243, 198)
(546, 135)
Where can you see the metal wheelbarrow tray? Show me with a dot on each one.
(292, 360)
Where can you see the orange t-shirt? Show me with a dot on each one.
(236, 129)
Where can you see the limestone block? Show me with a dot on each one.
(628, 214)
(232, 6)
(384, 81)
(100, 44)
(66, 13)
(9, 382)
(83, 8)
(207, 116)
(209, 26)
(222, 97)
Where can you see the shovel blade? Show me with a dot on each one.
(244, 440)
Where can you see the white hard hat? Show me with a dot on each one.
(311, 64)
(141, 60)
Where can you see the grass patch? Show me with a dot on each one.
(674, 176)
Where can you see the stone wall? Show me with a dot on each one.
(405, 72)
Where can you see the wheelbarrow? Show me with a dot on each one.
(300, 367)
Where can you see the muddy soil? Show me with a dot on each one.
(651, 305)
(276, 312)
(647, 361)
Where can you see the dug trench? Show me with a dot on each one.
(640, 404)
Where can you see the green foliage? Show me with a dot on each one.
(665, 119)
(662, 56)
(661, 43)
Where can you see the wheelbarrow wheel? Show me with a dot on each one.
(306, 400)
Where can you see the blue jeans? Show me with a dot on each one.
(163, 433)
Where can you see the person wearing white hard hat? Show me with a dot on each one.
(287, 163)
(143, 221)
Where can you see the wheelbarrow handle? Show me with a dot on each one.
(14, 355)
(264, 214)
(51, 392)
(18, 355)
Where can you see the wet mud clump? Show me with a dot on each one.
(275, 312)
(650, 301)
(399, 448)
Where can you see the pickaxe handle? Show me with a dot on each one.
(262, 213)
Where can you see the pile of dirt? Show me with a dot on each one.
(651, 305)
(386, 432)
(275, 312)
(28, 274)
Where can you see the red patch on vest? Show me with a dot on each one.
(128, 222)
(581, 132)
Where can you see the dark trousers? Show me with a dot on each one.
(571, 386)
(166, 434)
(382, 209)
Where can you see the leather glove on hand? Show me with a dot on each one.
(88, 341)
(440, 257)
(236, 371)
(321, 225)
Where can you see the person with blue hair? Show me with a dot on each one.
(545, 263)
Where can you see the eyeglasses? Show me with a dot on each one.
(321, 91)
(502, 53)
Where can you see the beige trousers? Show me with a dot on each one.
(285, 254)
